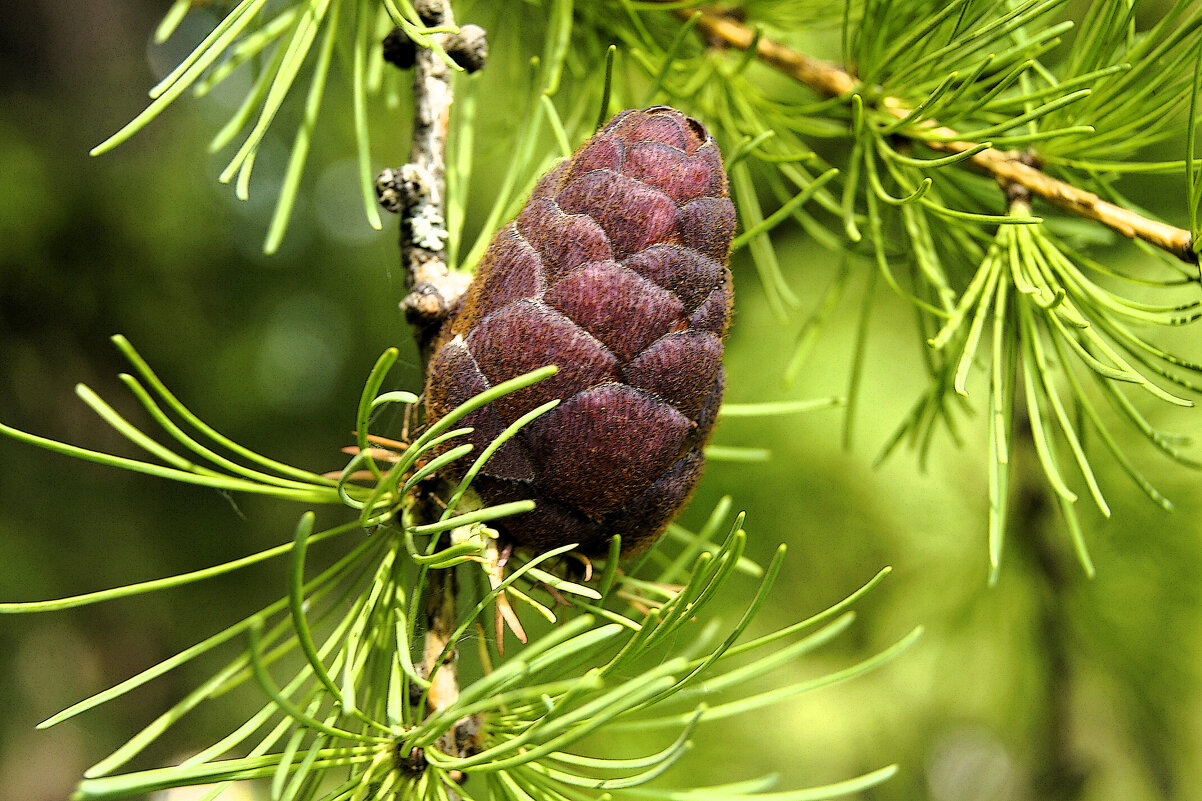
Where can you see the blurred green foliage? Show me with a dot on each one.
(1048, 685)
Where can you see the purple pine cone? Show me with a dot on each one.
(615, 271)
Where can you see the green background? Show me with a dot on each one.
(1048, 685)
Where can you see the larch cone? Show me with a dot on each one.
(615, 272)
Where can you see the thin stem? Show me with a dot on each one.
(438, 653)
(422, 188)
(434, 292)
(833, 81)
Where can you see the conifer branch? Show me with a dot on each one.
(439, 663)
(418, 190)
(438, 658)
(432, 294)
(1008, 168)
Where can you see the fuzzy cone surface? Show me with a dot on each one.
(615, 272)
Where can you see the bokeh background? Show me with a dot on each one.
(1048, 685)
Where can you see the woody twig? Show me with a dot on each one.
(417, 191)
(1008, 168)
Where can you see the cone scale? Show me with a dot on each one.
(615, 272)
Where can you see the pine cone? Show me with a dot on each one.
(615, 271)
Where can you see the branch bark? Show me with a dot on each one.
(1008, 168)
(438, 651)
(433, 292)
(418, 192)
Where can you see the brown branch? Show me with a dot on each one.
(1008, 168)
(438, 652)
(433, 292)
(417, 191)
